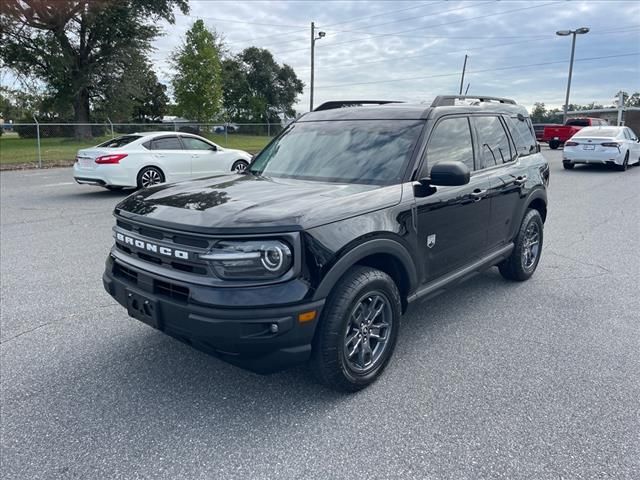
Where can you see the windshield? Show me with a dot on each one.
(598, 132)
(355, 151)
(119, 142)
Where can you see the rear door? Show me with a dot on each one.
(500, 156)
(452, 221)
(169, 154)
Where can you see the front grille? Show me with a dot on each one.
(191, 244)
(171, 290)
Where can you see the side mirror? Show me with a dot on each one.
(448, 174)
(213, 148)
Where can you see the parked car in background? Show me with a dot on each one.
(557, 135)
(615, 146)
(144, 159)
(538, 128)
(230, 128)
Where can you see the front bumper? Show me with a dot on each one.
(260, 339)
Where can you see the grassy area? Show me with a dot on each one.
(60, 151)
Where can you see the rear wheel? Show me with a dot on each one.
(239, 166)
(568, 165)
(149, 176)
(528, 246)
(625, 163)
(358, 331)
(554, 144)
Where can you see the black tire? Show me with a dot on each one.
(364, 290)
(568, 165)
(554, 144)
(239, 166)
(518, 266)
(625, 163)
(150, 176)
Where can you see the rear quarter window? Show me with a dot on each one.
(523, 135)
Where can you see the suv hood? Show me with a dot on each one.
(248, 202)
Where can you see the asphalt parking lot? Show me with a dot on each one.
(493, 380)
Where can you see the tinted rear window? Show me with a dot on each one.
(120, 141)
(579, 122)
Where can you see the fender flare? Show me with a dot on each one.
(353, 256)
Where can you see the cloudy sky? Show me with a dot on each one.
(414, 50)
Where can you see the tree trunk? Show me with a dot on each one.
(81, 114)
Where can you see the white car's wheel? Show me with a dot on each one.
(149, 176)
(239, 166)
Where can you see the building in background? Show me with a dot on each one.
(630, 116)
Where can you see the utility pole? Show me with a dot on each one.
(464, 68)
(565, 33)
(313, 49)
(620, 106)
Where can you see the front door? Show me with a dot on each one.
(205, 157)
(452, 221)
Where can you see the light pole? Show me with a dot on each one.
(565, 33)
(313, 47)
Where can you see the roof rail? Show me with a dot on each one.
(351, 103)
(450, 100)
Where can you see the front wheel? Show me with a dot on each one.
(239, 166)
(554, 144)
(528, 246)
(358, 330)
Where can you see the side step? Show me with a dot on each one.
(445, 282)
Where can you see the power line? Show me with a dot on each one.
(231, 20)
(385, 13)
(400, 33)
(439, 53)
(478, 71)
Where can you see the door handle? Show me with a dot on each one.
(159, 155)
(520, 180)
(478, 194)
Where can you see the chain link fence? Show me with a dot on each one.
(24, 145)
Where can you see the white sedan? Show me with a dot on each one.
(616, 146)
(143, 159)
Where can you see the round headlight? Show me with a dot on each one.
(272, 258)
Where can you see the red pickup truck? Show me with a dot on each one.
(556, 135)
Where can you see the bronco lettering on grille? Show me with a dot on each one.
(152, 247)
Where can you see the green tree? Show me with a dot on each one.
(256, 88)
(197, 84)
(75, 46)
(538, 113)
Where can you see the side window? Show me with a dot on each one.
(632, 134)
(626, 134)
(492, 141)
(450, 140)
(522, 135)
(191, 143)
(166, 143)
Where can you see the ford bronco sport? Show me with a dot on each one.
(351, 214)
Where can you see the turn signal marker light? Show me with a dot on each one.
(307, 316)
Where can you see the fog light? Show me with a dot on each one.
(274, 328)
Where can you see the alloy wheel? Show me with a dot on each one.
(530, 245)
(368, 332)
(150, 177)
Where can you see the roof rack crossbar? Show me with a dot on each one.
(351, 103)
(449, 100)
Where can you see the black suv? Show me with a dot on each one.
(351, 214)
